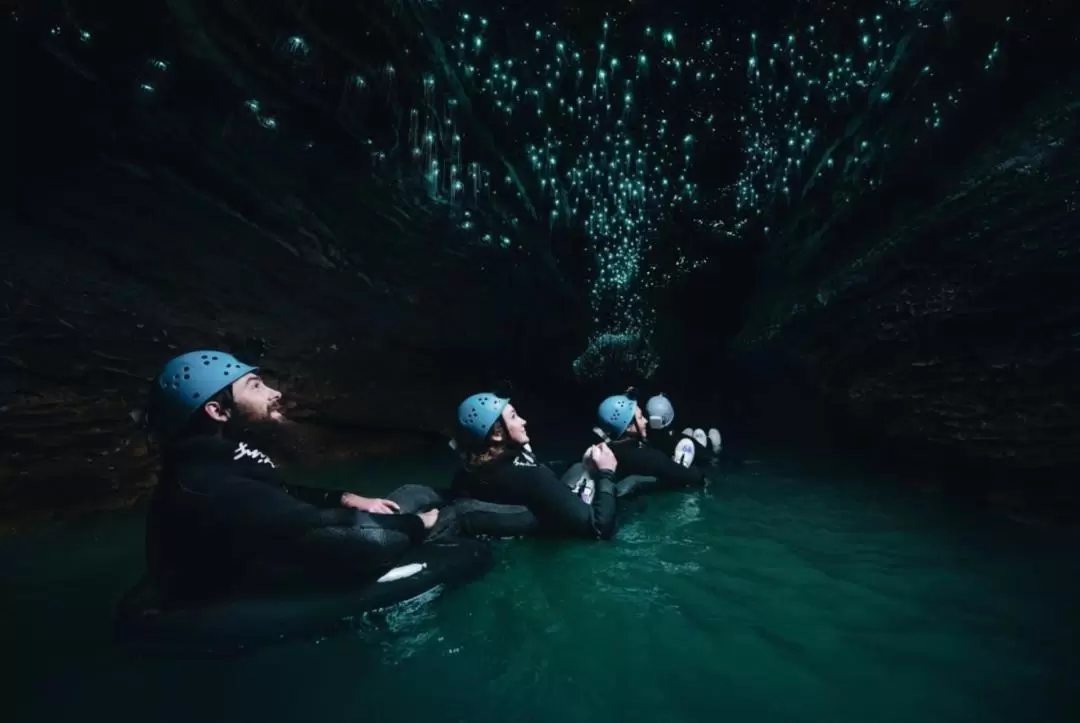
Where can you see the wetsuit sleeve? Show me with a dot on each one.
(654, 463)
(557, 507)
(320, 497)
(274, 524)
(561, 467)
(365, 543)
(459, 486)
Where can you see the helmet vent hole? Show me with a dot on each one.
(206, 363)
(187, 376)
(195, 395)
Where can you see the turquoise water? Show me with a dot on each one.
(778, 595)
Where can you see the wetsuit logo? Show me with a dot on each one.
(589, 492)
(585, 488)
(242, 451)
(525, 459)
(684, 452)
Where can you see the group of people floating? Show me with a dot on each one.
(223, 521)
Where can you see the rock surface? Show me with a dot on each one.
(937, 320)
(952, 332)
(135, 235)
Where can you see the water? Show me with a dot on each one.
(780, 595)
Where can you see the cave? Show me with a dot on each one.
(840, 232)
(190, 176)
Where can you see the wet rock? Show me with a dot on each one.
(134, 235)
(952, 334)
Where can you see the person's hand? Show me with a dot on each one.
(367, 504)
(428, 518)
(603, 458)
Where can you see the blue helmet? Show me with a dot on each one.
(477, 415)
(615, 414)
(188, 381)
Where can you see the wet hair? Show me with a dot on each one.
(492, 449)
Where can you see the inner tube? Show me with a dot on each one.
(466, 517)
(476, 518)
(254, 621)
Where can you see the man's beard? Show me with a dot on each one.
(279, 438)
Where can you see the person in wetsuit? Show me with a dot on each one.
(222, 519)
(498, 466)
(690, 446)
(642, 468)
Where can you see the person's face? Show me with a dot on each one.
(256, 401)
(515, 425)
(254, 416)
(253, 402)
(640, 425)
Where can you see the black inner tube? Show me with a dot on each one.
(256, 620)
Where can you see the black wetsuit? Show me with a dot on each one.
(518, 479)
(666, 439)
(222, 520)
(644, 468)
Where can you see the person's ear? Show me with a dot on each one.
(216, 412)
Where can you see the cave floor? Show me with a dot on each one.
(778, 595)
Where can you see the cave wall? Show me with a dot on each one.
(950, 335)
(132, 233)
